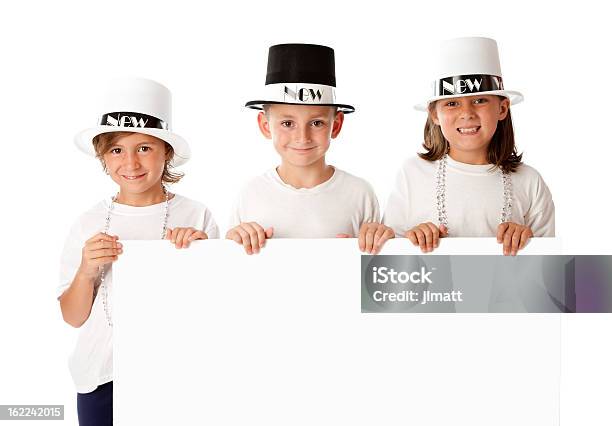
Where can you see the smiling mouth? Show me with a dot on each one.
(303, 149)
(133, 177)
(468, 130)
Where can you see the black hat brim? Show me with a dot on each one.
(258, 105)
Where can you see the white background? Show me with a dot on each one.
(213, 58)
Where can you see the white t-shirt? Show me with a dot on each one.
(339, 205)
(474, 199)
(91, 363)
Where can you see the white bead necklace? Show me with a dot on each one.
(106, 228)
(506, 211)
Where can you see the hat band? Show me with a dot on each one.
(466, 84)
(132, 120)
(300, 93)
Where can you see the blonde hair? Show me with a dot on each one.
(104, 141)
(501, 151)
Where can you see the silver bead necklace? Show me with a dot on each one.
(506, 211)
(106, 228)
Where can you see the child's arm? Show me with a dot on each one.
(182, 237)
(539, 219)
(397, 213)
(426, 235)
(513, 236)
(76, 301)
(373, 235)
(251, 235)
(541, 215)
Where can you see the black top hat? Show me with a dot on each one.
(300, 74)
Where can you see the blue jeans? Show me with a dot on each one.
(96, 408)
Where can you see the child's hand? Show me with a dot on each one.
(513, 236)
(99, 250)
(182, 237)
(427, 236)
(251, 235)
(372, 237)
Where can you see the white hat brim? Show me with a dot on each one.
(182, 152)
(513, 96)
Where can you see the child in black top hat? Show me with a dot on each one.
(304, 197)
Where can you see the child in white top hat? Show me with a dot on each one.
(470, 181)
(304, 197)
(137, 148)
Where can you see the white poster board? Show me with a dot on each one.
(209, 335)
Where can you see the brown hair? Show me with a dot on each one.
(104, 141)
(501, 151)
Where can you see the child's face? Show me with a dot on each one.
(469, 123)
(301, 133)
(136, 163)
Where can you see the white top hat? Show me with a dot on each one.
(136, 105)
(468, 66)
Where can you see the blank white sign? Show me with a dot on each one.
(209, 335)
